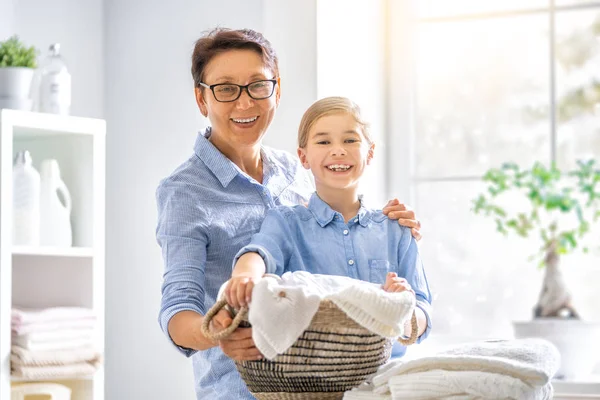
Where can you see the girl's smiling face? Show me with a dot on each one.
(336, 152)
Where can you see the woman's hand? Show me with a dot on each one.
(238, 291)
(405, 216)
(395, 284)
(238, 346)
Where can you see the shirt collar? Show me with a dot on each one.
(225, 169)
(222, 167)
(324, 214)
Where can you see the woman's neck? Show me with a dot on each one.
(247, 158)
(344, 201)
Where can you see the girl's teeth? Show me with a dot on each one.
(338, 168)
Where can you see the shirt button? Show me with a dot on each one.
(351, 262)
(345, 231)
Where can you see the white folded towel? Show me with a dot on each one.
(365, 392)
(26, 357)
(283, 307)
(534, 361)
(436, 384)
(52, 336)
(23, 316)
(50, 326)
(523, 367)
(56, 345)
(54, 371)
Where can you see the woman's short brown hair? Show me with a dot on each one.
(329, 106)
(222, 39)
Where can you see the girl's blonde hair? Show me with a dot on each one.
(329, 106)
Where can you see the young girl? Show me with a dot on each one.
(336, 234)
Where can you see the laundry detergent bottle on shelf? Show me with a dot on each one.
(55, 84)
(55, 207)
(26, 201)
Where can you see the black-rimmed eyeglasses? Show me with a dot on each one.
(227, 92)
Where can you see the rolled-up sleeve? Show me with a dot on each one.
(183, 244)
(411, 268)
(272, 242)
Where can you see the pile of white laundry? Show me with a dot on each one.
(519, 369)
(283, 307)
(55, 342)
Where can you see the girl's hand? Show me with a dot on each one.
(238, 292)
(395, 284)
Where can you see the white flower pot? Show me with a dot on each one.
(577, 341)
(15, 87)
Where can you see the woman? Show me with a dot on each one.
(211, 205)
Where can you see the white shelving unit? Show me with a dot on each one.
(47, 276)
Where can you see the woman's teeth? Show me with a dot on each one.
(339, 167)
(244, 120)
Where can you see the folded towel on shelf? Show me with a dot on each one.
(517, 369)
(54, 371)
(283, 307)
(52, 336)
(50, 326)
(54, 345)
(24, 316)
(21, 356)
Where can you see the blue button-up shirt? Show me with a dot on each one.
(207, 210)
(318, 240)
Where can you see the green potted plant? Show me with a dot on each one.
(17, 66)
(561, 206)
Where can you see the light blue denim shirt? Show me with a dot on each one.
(207, 210)
(316, 239)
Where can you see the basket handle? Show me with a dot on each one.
(227, 331)
(414, 332)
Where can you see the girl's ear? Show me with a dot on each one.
(200, 101)
(371, 153)
(303, 159)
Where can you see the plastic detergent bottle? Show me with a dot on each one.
(55, 84)
(26, 201)
(55, 207)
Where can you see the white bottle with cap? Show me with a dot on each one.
(26, 201)
(55, 207)
(55, 84)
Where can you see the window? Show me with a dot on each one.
(495, 81)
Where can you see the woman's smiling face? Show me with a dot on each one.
(244, 121)
(336, 152)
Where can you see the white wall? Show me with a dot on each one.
(351, 53)
(78, 26)
(152, 124)
(291, 27)
(400, 69)
(7, 16)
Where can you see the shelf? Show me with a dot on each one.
(50, 276)
(32, 125)
(82, 252)
(590, 387)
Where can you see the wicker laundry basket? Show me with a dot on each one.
(333, 355)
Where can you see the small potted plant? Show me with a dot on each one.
(561, 208)
(17, 66)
